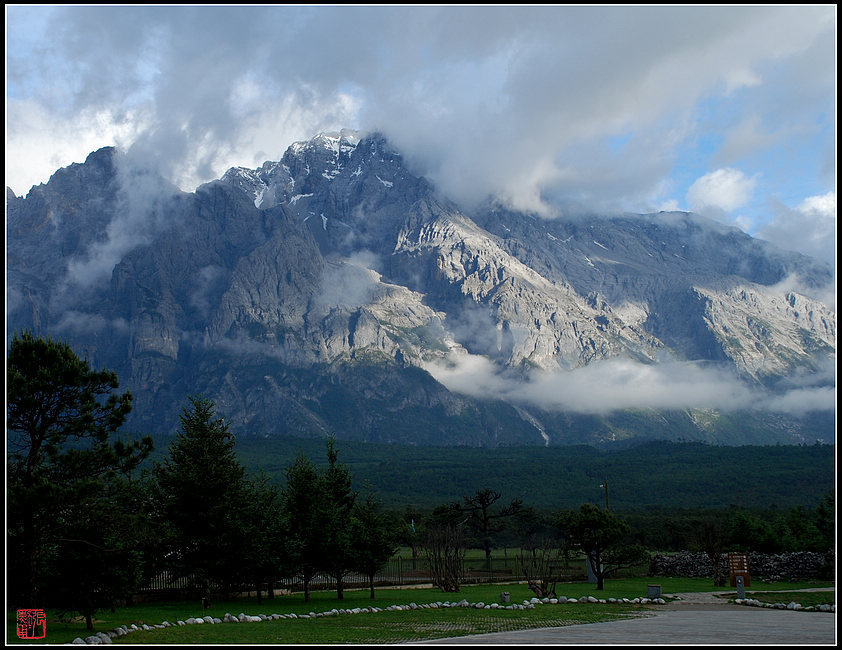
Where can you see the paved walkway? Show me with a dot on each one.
(696, 619)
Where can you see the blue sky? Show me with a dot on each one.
(728, 111)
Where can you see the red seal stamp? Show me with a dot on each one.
(31, 624)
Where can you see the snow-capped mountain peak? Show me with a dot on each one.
(336, 276)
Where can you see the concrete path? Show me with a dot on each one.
(697, 619)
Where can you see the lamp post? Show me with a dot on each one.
(605, 485)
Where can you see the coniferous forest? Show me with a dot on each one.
(658, 474)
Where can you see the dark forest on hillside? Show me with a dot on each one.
(666, 475)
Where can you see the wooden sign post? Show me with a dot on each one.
(738, 566)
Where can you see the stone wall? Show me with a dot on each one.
(800, 566)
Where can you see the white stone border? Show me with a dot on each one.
(105, 637)
(753, 602)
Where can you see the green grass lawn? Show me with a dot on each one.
(805, 599)
(379, 627)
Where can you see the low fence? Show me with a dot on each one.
(398, 571)
(408, 571)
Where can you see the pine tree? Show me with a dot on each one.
(337, 503)
(301, 511)
(600, 535)
(100, 556)
(374, 538)
(202, 489)
(261, 556)
(61, 416)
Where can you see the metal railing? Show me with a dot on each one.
(398, 571)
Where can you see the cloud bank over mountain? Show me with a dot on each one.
(560, 110)
(618, 384)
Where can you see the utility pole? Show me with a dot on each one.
(605, 485)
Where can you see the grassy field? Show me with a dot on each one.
(805, 599)
(381, 627)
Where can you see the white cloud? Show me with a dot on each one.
(514, 101)
(137, 219)
(267, 127)
(617, 384)
(723, 189)
(809, 228)
(42, 141)
(349, 284)
(745, 138)
(800, 401)
(79, 322)
(823, 206)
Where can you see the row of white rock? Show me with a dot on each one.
(826, 607)
(105, 637)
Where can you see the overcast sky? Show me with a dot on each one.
(727, 111)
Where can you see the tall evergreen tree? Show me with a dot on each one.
(61, 416)
(99, 558)
(301, 511)
(374, 537)
(261, 555)
(201, 487)
(335, 508)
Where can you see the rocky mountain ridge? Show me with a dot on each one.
(320, 294)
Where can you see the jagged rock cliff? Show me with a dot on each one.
(316, 294)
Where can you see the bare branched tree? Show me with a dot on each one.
(444, 547)
(483, 519)
(542, 564)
